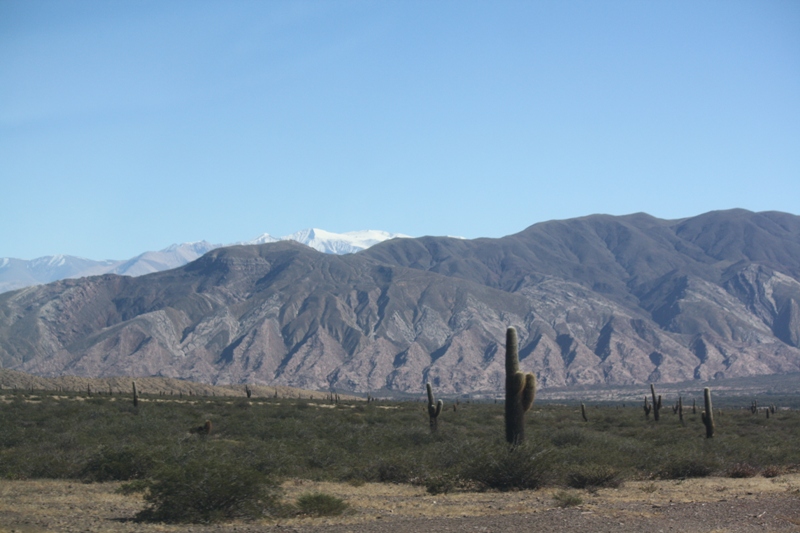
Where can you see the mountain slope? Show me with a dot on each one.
(599, 299)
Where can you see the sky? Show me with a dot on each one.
(127, 126)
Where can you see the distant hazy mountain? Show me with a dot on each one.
(18, 273)
(598, 299)
(170, 257)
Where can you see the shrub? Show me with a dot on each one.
(440, 483)
(503, 469)
(568, 437)
(395, 470)
(320, 504)
(594, 476)
(567, 499)
(772, 471)
(742, 470)
(685, 468)
(206, 488)
(121, 464)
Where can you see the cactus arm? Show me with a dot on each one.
(528, 392)
(434, 408)
(656, 403)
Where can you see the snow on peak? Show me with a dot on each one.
(264, 238)
(49, 261)
(340, 243)
(4, 262)
(329, 242)
(198, 247)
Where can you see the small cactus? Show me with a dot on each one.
(135, 396)
(708, 415)
(647, 408)
(248, 391)
(434, 408)
(583, 412)
(520, 392)
(680, 409)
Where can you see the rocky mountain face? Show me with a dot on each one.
(600, 299)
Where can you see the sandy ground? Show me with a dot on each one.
(697, 505)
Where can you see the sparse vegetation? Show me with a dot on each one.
(565, 498)
(320, 504)
(205, 484)
(264, 440)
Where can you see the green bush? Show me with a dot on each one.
(320, 504)
(395, 470)
(686, 468)
(441, 483)
(565, 498)
(568, 437)
(501, 468)
(206, 487)
(118, 464)
(594, 476)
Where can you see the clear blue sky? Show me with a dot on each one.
(127, 126)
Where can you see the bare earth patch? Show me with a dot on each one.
(696, 505)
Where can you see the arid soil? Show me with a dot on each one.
(697, 505)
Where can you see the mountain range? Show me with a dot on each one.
(19, 273)
(596, 300)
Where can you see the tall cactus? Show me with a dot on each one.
(656, 403)
(583, 412)
(708, 415)
(434, 408)
(647, 408)
(520, 392)
(135, 396)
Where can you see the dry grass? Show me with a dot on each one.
(54, 506)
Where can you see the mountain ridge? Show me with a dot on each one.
(596, 300)
(19, 273)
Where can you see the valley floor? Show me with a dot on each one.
(694, 505)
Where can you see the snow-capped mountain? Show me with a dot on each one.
(332, 243)
(19, 273)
